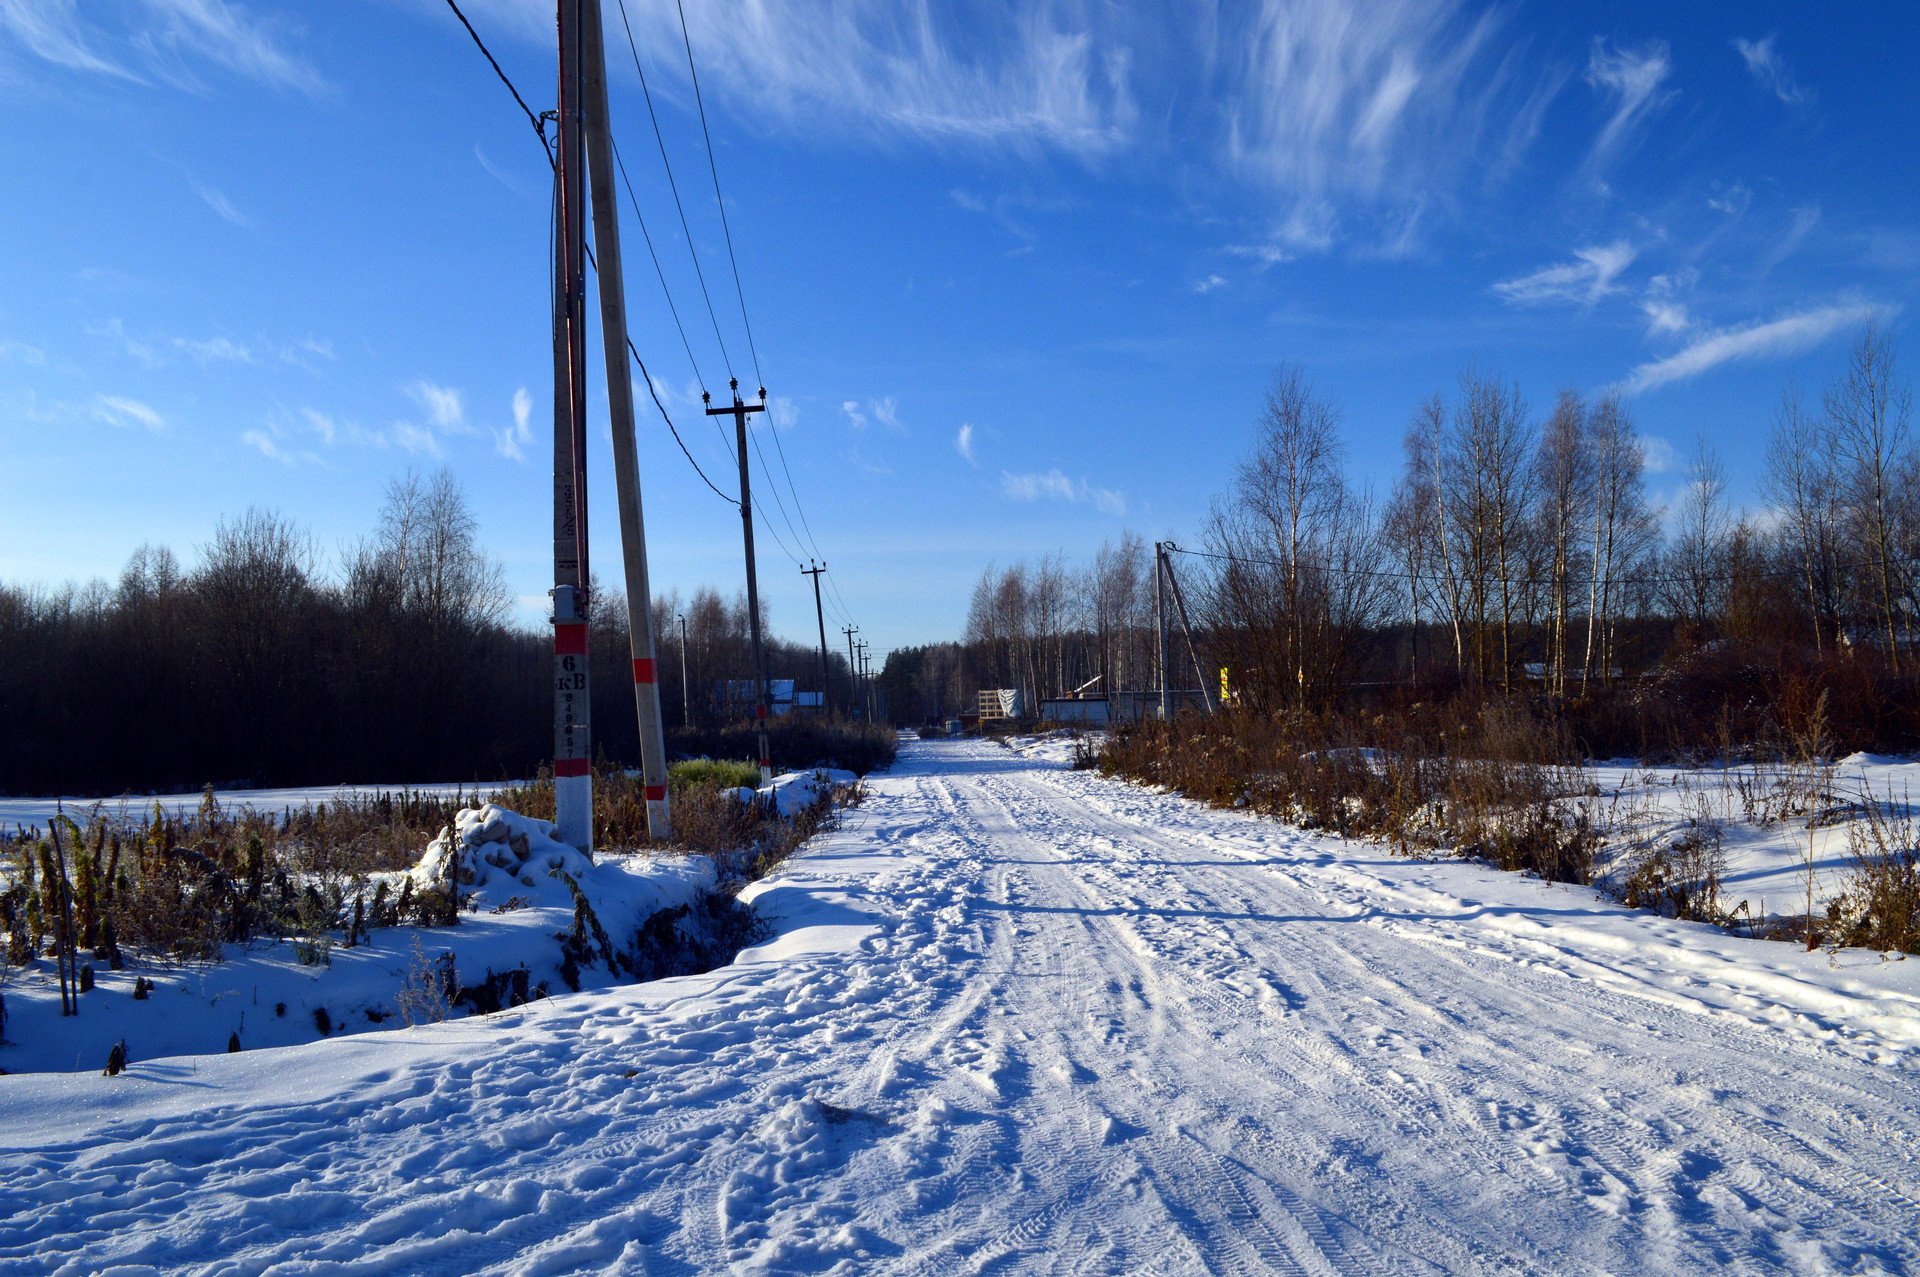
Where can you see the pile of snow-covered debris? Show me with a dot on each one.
(535, 916)
(793, 791)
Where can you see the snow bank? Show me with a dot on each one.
(498, 855)
(794, 791)
(516, 908)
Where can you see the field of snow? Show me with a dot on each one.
(1766, 858)
(1023, 1019)
(137, 807)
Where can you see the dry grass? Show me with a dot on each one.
(1491, 784)
(164, 888)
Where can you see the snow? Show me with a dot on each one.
(793, 791)
(1766, 861)
(517, 904)
(138, 807)
(1023, 1019)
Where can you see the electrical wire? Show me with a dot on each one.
(554, 301)
(665, 291)
(781, 505)
(648, 378)
(673, 186)
(539, 129)
(715, 170)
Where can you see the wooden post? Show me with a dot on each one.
(762, 700)
(626, 462)
(820, 617)
(572, 773)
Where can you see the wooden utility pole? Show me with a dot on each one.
(686, 695)
(866, 682)
(762, 694)
(821, 617)
(853, 670)
(572, 777)
(626, 462)
(1160, 620)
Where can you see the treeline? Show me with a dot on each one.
(257, 665)
(1533, 553)
(1044, 629)
(1516, 555)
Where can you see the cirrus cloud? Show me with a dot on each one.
(1785, 336)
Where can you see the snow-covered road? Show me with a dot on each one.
(1022, 1019)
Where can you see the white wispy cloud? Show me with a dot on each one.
(117, 331)
(1581, 282)
(882, 411)
(1661, 303)
(1633, 78)
(218, 202)
(269, 446)
(215, 350)
(1209, 284)
(1056, 486)
(1046, 74)
(512, 442)
(1352, 97)
(168, 39)
(1786, 336)
(441, 404)
(117, 410)
(417, 439)
(1803, 221)
(226, 34)
(321, 424)
(1770, 69)
(20, 352)
(1660, 455)
(49, 29)
(963, 443)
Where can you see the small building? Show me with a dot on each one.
(738, 698)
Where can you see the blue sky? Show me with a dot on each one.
(1017, 274)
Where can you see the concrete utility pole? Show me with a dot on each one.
(626, 462)
(686, 695)
(853, 670)
(572, 777)
(763, 694)
(821, 617)
(1160, 620)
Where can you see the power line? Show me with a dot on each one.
(541, 132)
(647, 377)
(665, 291)
(713, 317)
(758, 451)
(539, 129)
(715, 170)
(675, 188)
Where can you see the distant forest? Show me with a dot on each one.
(1518, 555)
(255, 664)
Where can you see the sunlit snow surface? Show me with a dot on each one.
(1023, 1019)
